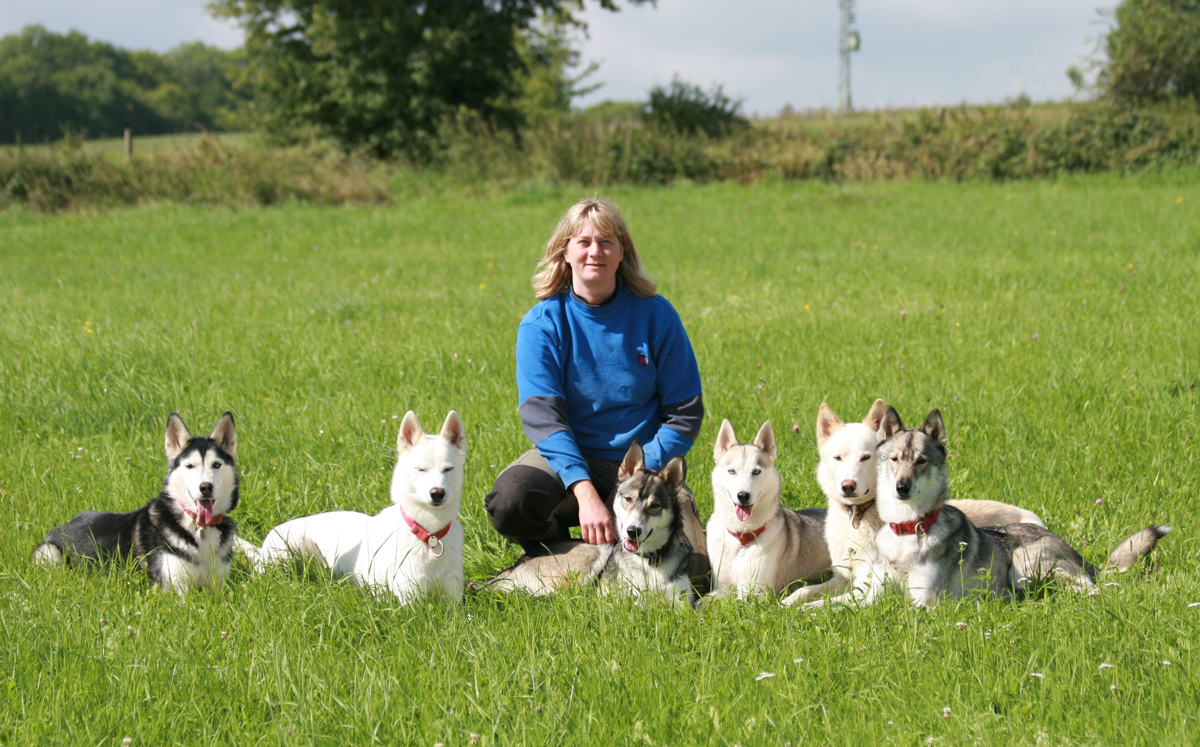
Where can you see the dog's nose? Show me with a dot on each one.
(743, 497)
(902, 486)
(206, 488)
(848, 487)
(437, 494)
(633, 532)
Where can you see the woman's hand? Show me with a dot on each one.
(595, 521)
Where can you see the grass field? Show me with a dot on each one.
(1054, 323)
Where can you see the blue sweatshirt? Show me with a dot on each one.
(593, 378)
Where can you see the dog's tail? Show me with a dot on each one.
(1137, 546)
(48, 555)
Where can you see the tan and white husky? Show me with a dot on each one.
(846, 473)
(755, 544)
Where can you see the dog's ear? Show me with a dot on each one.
(875, 414)
(178, 436)
(410, 432)
(225, 434)
(634, 460)
(675, 472)
(765, 440)
(935, 428)
(889, 425)
(452, 431)
(726, 440)
(828, 424)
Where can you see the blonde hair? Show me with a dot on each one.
(553, 274)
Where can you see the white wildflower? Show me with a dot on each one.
(1039, 675)
(764, 676)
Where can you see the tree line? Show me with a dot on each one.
(391, 77)
(52, 84)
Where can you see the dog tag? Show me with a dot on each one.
(432, 542)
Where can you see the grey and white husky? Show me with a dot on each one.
(182, 536)
(755, 544)
(934, 550)
(846, 473)
(652, 555)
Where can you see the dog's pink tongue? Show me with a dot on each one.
(204, 512)
(631, 546)
(743, 512)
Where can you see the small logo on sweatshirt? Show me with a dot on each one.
(643, 354)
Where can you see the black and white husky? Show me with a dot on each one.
(933, 549)
(181, 537)
(652, 554)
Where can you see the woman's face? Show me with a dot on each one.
(594, 257)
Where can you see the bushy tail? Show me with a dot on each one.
(1136, 547)
(47, 555)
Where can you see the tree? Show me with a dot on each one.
(52, 83)
(547, 85)
(385, 74)
(1153, 51)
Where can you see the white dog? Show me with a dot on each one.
(414, 546)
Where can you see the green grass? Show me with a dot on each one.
(320, 326)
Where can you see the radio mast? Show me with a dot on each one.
(848, 41)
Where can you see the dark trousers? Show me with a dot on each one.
(530, 506)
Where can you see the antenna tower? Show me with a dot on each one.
(848, 41)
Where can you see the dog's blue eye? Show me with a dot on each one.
(216, 465)
(733, 471)
(756, 472)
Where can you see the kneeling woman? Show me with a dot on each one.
(601, 361)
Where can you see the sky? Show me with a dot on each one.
(765, 53)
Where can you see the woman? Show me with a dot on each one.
(601, 361)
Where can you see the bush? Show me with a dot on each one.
(687, 110)
(65, 176)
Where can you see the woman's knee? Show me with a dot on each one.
(522, 501)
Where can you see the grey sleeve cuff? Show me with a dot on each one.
(542, 417)
(684, 416)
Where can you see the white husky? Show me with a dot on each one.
(847, 475)
(412, 547)
(757, 546)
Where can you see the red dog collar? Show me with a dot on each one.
(429, 538)
(747, 537)
(921, 525)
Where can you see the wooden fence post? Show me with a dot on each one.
(129, 143)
